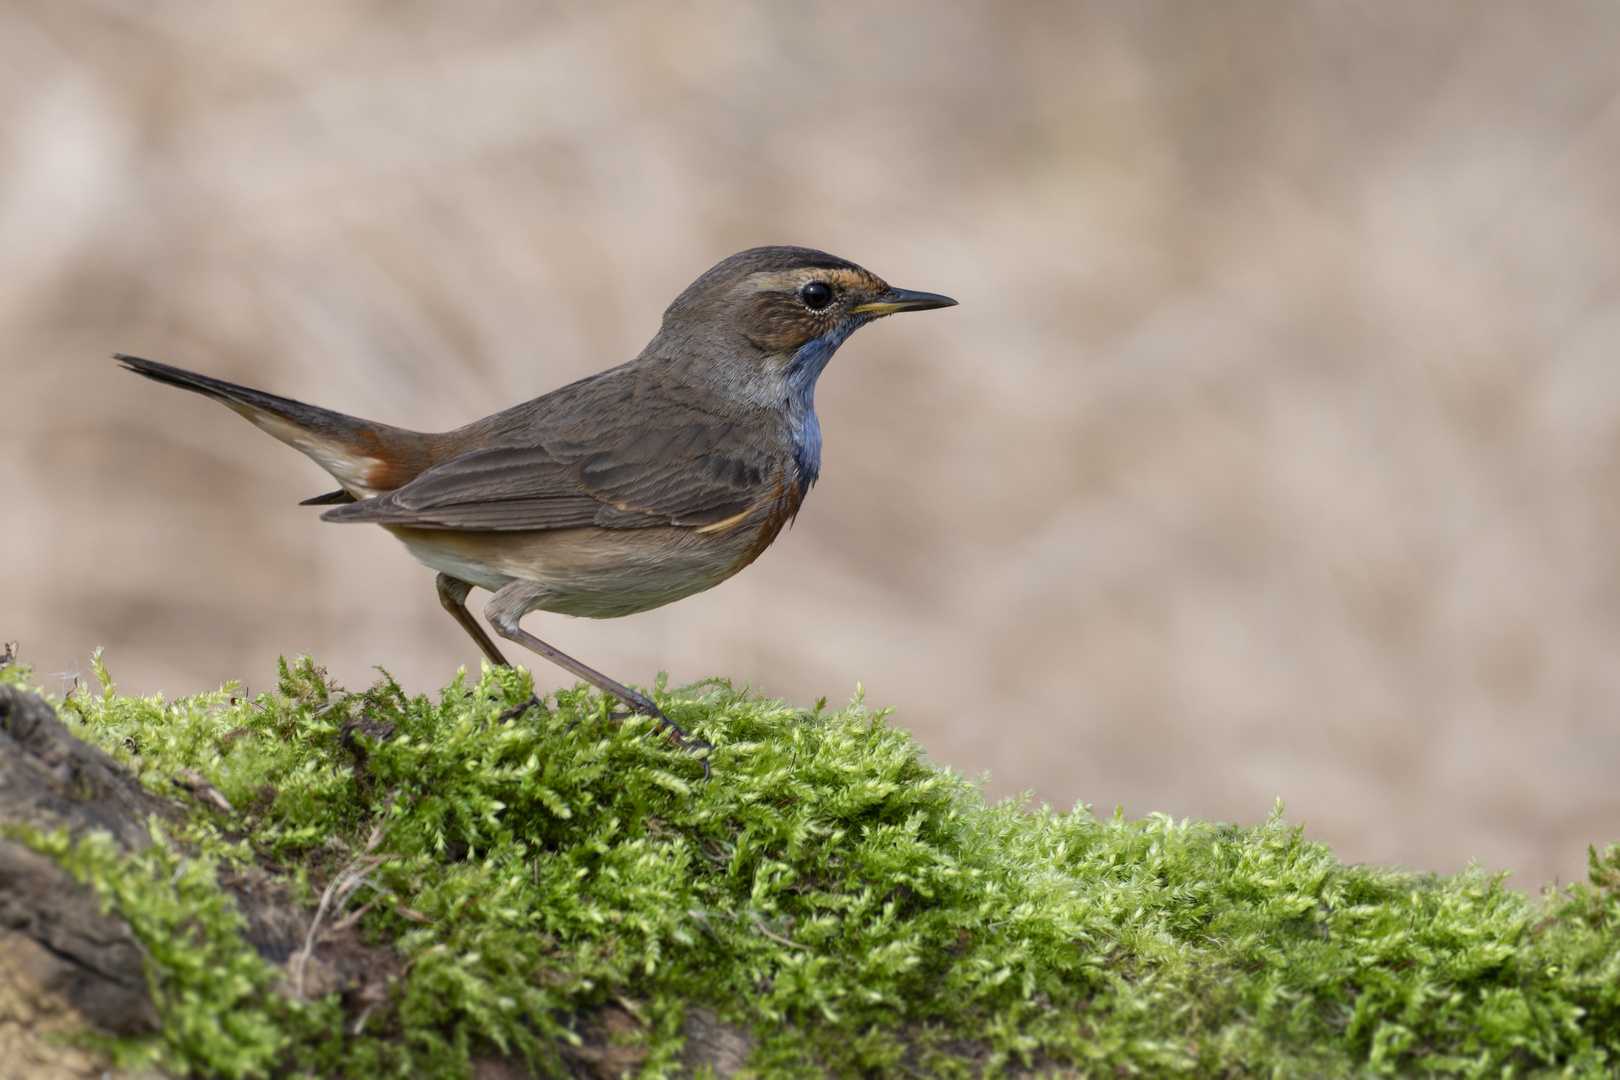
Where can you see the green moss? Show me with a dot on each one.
(863, 911)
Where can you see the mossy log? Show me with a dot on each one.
(492, 884)
(74, 975)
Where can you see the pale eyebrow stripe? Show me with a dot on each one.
(788, 279)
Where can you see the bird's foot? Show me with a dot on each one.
(690, 743)
(677, 734)
(522, 707)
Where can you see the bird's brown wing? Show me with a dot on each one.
(678, 466)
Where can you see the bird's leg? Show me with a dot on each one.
(509, 606)
(453, 595)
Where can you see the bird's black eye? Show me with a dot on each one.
(816, 295)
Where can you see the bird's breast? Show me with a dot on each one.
(786, 495)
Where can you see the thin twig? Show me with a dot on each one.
(777, 937)
(360, 1021)
(357, 914)
(345, 885)
(342, 888)
(193, 781)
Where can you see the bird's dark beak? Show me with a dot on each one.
(903, 300)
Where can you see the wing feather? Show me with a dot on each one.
(680, 466)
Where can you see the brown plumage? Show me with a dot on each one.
(622, 491)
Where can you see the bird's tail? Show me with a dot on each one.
(367, 458)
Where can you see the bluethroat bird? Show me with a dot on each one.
(623, 491)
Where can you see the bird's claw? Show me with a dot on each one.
(690, 743)
(522, 707)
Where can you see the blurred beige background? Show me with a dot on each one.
(1274, 448)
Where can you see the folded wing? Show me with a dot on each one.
(680, 466)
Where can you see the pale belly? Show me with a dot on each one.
(594, 572)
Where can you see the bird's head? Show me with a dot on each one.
(779, 313)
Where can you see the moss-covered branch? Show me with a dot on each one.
(525, 872)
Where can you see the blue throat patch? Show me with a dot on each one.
(802, 371)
